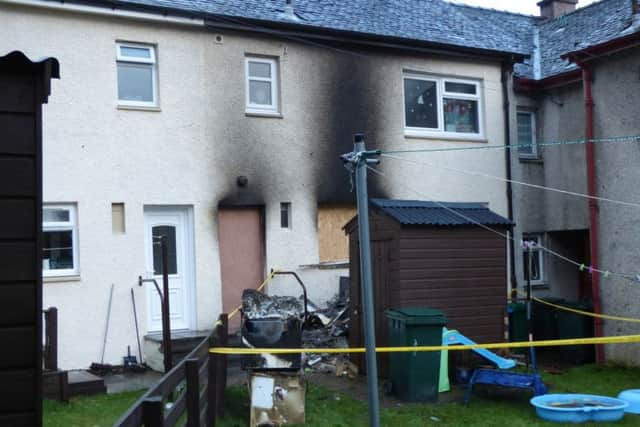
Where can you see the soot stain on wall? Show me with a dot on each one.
(262, 149)
(354, 108)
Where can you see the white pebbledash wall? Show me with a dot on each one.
(191, 151)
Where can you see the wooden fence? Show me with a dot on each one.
(191, 394)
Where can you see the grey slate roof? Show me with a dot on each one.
(434, 21)
(430, 21)
(591, 25)
(416, 212)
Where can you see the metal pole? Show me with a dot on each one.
(166, 321)
(360, 163)
(528, 261)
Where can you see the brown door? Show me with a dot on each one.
(241, 237)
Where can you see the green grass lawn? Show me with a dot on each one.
(89, 411)
(330, 409)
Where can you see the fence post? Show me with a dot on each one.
(211, 385)
(51, 338)
(223, 341)
(193, 392)
(152, 413)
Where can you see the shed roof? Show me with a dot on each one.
(417, 212)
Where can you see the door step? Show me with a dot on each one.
(85, 383)
(182, 343)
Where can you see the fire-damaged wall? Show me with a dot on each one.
(328, 93)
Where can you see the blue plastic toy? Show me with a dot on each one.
(579, 408)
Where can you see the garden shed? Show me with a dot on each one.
(432, 254)
(24, 87)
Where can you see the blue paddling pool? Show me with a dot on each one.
(578, 408)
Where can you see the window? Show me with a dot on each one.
(137, 75)
(442, 107)
(285, 215)
(117, 218)
(60, 240)
(534, 241)
(527, 148)
(262, 86)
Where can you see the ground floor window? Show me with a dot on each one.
(60, 240)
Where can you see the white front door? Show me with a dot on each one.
(175, 226)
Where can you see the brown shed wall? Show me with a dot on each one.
(459, 270)
(23, 87)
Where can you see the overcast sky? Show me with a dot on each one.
(520, 6)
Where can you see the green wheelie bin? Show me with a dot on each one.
(415, 375)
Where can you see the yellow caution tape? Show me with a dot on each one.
(584, 313)
(521, 344)
(259, 288)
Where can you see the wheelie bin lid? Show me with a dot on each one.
(418, 316)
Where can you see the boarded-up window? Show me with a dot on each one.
(333, 243)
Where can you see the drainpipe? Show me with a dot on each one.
(593, 204)
(506, 73)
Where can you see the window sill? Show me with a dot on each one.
(139, 107)
(533, 160)
(266, 114)
(443, 137)
(57, 279)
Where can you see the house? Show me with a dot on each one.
(219, 125)
(581, 81)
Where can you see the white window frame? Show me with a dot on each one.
(274, 108)
(537, 239)
(440, 131)
(71, 225)
(136, 60)
(534, 139)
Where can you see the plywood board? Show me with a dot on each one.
(333, 243)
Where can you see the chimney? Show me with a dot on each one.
(289, 7)
(553, 8)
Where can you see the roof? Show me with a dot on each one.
(431, 21)
(591, 25)
(541, 42)
(416, 212)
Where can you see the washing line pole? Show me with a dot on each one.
(357, 162)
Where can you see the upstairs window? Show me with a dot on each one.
(60, 240)
(137, 75)
(262, 86)
(527, 145)
(536, 262)
(442, 107)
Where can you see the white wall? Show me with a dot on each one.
(191, 152)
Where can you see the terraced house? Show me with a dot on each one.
(219, 124)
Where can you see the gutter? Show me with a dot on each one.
(104, 11)
(524, 85)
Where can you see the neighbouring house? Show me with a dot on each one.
(219, 125)
(581, 81)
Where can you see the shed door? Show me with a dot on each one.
(241, 237)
